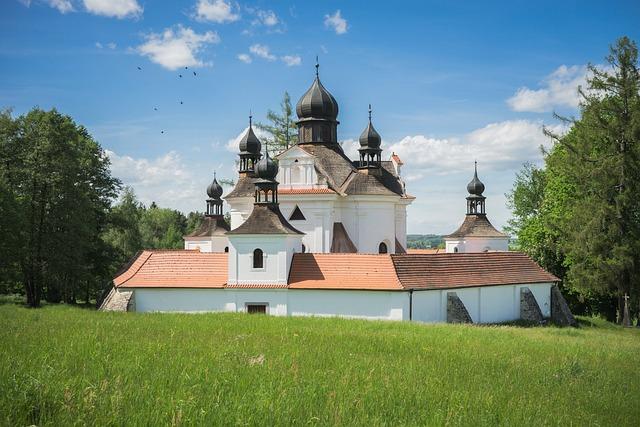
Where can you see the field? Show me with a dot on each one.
(63, 365)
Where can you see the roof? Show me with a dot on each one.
(245, 187)
(415, 251)
(476, 225)
(285, 190)
(265, 219)
(373, 182)
(211, 226)
(396, 159)
(343, 271)
(175, 269)
(317, 103)
(459, 270)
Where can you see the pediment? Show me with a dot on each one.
(294, 153)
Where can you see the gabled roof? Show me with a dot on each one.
(265, 219)
(211, 226)
(245, 187)
(175, 269)
(476, 225)
(343, 271)
(468, 269)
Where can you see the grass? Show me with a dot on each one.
(63, 365)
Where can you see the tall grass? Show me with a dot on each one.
(61, 366)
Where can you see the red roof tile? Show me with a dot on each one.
(284, 190)
(175, 269)
(468, 269)
(343, 271)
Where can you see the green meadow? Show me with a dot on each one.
(69, 366)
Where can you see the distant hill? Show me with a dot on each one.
(424, 241)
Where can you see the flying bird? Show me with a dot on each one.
(194, 73)
(186, 68)
(139, 68)
(161, 131)
(181, 102)
(180, 75)
(155, 108)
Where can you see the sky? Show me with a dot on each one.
(166, 87)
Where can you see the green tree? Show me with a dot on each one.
(282, 128)
(162, 228)
(62, 183)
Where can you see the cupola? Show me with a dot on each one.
(317, 112)
(250, 147)
(266, 185)
(214, 202)
(475, 200)
(370, 151)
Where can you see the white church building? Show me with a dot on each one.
(315, 233)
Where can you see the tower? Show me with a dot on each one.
(261, 248)
(476, 234)
(317, 112)
(210, 236)
(370, 150)
(250, 147)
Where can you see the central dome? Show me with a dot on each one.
(317, 103)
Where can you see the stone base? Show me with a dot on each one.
(560, 313)
(456, 311)
(529, 308)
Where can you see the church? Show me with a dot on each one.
(315, 233)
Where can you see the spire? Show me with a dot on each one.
(250, 118)
(475, 200)
(214, 203)
(317, 68)
(250, 147)
(369, 113)
(370, 151)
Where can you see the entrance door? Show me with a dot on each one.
(257, 308)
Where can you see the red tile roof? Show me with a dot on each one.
(414, 251)
(468, 269)
(343, 271)
(175, 269)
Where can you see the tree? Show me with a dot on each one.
(282, 130)
(61, 181)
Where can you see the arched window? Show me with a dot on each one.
(455, 250)
(226, 249)
(304, 249)
(258, 259)
(382, 248)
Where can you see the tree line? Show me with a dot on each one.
(579, 214)
(61, 236)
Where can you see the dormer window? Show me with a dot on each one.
(258, 258)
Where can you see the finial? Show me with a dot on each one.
(475, 167)
(250, 117)
(369, 113)
(214, 175)
(317, 66)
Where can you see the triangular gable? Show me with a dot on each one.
(294, 152)
(297, 215)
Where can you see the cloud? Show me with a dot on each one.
(218, 11)
(63, 6)
(559, 89)
(176, 48)
(267, 17)
(245, 58)
(336, 22)
(114, 8)
(291, 60)
(497, 146)
(262, 51)
(110, 45)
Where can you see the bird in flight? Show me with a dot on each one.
(181, 102)
(180, 75)
(194, 73)
(155, 108)
(140, 68)
(161, 131)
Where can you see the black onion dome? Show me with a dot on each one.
(317, 103)
(266, 168)
(370, 138)
(250, 143)
(475, 187)
(214, 190)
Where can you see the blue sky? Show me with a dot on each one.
(450, 82)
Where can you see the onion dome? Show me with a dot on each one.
(214, 190)
(370, 138)
(266, 168)
(317, 102)
(250, 144)
(475, 187)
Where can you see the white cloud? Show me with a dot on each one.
(336, 22)
(176, 48)
(497, 146)
(559, 89)
(111, 45)
(291, 60)
(99, 45)
(245, 58)
(218, 11)
(267, 17)
(63, 6)
(262, 51)
(114, 8)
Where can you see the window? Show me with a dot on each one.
(257, 308)
(304, 249)
(226, 248)
(382, 248)
(258, 259)
(296, 215)
(455, 250)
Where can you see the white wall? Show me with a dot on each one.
(193, 300)
(486, 304)
(210, 244)
(356, 304)
(477, 244)
(278, 250)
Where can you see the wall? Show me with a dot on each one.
(357, 304)
(486, 304)
(277, 251)
(211, 244)
(477, 244)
